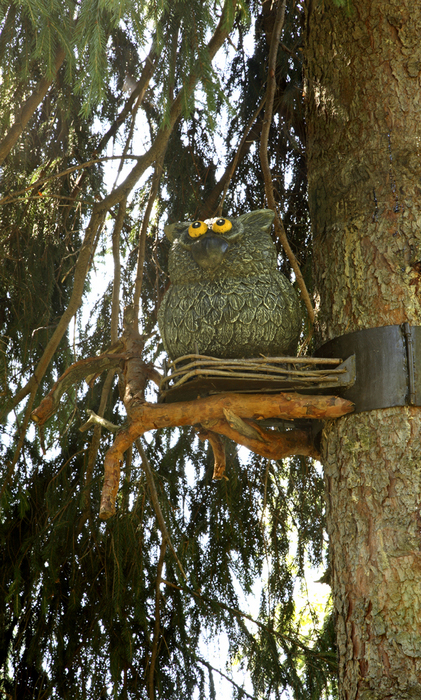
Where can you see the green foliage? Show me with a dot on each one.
(34, 31)
(79, 616)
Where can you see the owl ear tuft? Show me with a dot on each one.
(261, 219)
(172, 231)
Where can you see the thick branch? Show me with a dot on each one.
(27, 110)
(135, 377)
(147, 416)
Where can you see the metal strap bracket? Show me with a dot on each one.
(388, 365)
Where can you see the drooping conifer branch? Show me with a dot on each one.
(28, 109)
(81, 270)
(21, 438)
(296, 640)
(157, 625)
(156, 505)
(159, 145)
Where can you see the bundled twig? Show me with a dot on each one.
(261, 368)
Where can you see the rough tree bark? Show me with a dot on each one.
(364, 137)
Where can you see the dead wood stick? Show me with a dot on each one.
(238, 424)
(218, 449)
(91, 366)
(98, 420)
(270, 444)
(304, 377)
(261, 368)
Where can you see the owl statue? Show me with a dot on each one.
(226, 298)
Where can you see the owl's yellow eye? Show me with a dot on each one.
(221, 226)
(198, 228)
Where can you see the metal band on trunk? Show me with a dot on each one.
(388, 364)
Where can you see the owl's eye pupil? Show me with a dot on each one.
(220, 222)
(196, 224)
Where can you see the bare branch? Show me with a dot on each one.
(263, 151)
(242, 149)
(98, 420)
(136, 96)
(156, 631)
(36, 185)
(115, 304)
(83, 369)
(156, 505)
(142, 236)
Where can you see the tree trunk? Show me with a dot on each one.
(364, 141)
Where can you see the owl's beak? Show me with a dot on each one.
(209, 251)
